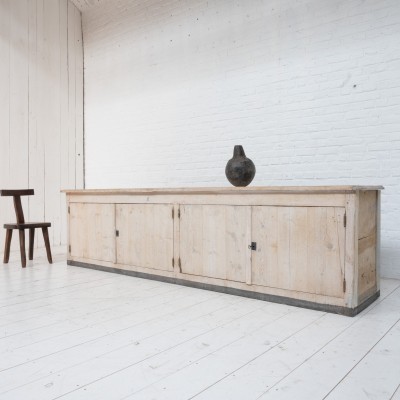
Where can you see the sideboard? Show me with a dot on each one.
(314, 247)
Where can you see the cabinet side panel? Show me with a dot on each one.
(367, 243)
(367, 214)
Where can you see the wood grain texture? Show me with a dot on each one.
(92, 231)
(367, 214)
(129, 196)
(37, 72)
(229, 190)
(351, 253)
(308, 253)
(214, 241)
(145, 235)
(299, 248)
(367, 241)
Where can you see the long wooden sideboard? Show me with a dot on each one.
(314, 247)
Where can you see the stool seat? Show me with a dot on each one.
(21, 225)
(28, 225)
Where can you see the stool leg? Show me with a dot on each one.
(22, 247)
(9, 233)
(31, 242)
(47, 243)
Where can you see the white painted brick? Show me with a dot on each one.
(310, 88)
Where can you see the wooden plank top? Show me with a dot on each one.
(225, 190)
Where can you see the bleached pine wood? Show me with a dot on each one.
(351, 251)
(176, 223)
(378, 240)
(213, 197)
(332, 190)
(92, 231)
(367, 237)
(368, 213)
(299, 249)
(303, 253)
(214, 241)
(145, 235)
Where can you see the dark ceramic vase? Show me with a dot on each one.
(240, 170)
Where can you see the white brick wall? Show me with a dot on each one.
(310, 88)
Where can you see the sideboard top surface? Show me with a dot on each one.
(226, 190)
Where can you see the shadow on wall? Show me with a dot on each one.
(390, 259)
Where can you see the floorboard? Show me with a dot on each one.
(72, 333)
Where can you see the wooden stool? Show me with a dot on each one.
(21, 225)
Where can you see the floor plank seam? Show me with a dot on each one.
(69, 367)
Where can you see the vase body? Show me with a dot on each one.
(240, 170)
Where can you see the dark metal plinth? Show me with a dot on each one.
(350, 312)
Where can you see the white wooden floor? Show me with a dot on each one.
(73, 333)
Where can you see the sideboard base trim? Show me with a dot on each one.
(349, 312)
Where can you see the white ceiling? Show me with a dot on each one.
(84, 5)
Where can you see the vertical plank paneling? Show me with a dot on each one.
(71, 94)
(19, 72)
(64, 179)
(19, 84)
(52, 121)
(79, 156)
(351, 248)
(299, 248)
(214, 241)
(334, 252)
(37, 114)
(92, 231)
(41, 108)
(4, 106)
(145, 235)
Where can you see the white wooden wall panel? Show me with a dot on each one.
(41, 108)
(4, 103)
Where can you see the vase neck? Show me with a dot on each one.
(238, 151)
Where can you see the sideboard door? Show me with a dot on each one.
(92, 231)
(145, 235)
(214, 241)
(299, 248)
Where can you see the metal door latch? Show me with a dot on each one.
(253, 246)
